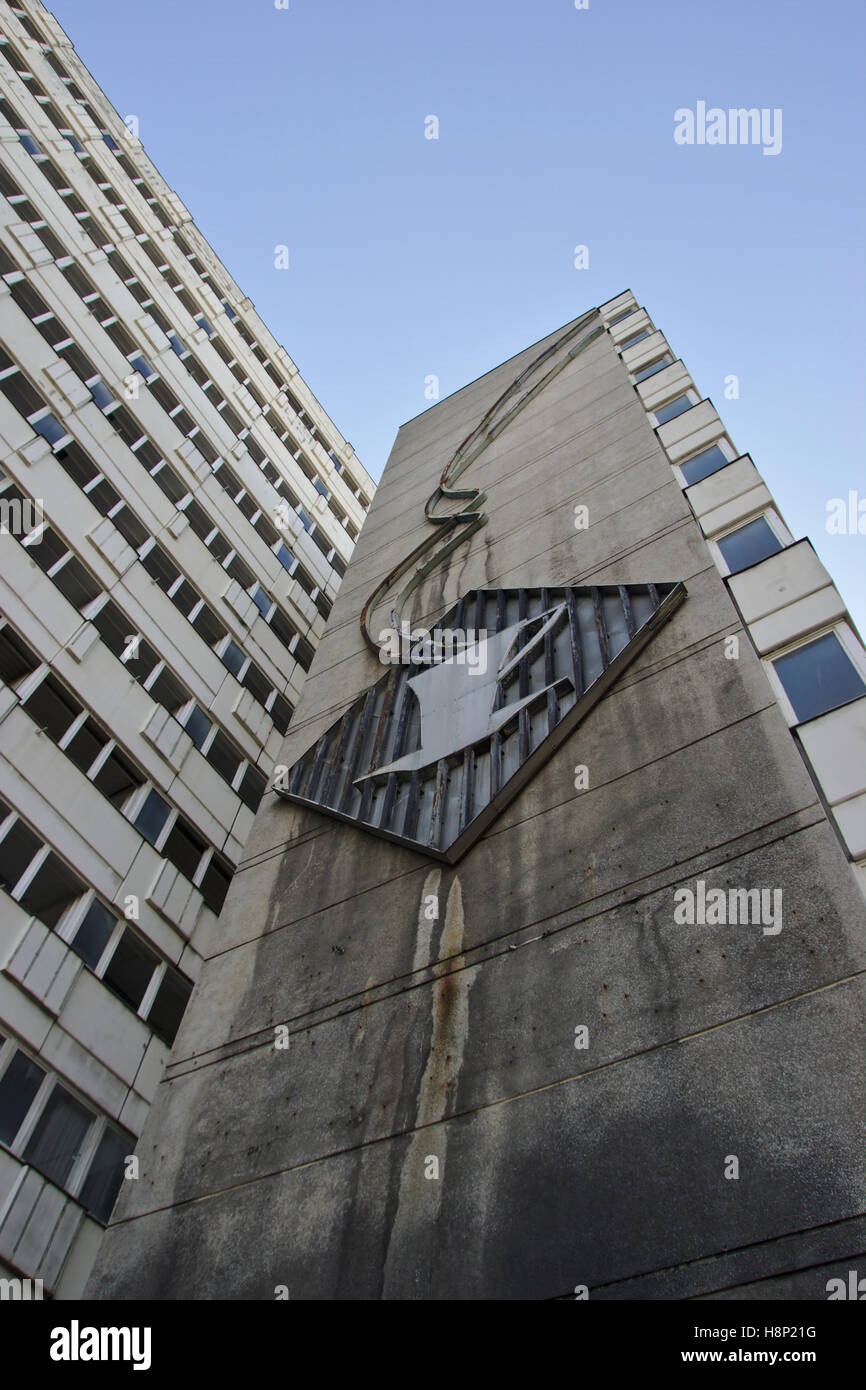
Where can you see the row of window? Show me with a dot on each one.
(20, 67)
(139, 658)
(55, 710)
(47, 889)
(46, 1126)
(106, 318)
(48, 549)
(54, 333)
(818, 674)
(59, 714)
(158, 259)
(169, 402)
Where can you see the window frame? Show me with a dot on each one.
(850, 646)
(773, 520)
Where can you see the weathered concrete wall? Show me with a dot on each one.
(455, 1038)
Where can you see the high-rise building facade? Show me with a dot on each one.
(541, 975)
(177, 512)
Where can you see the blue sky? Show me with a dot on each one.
(411, 257)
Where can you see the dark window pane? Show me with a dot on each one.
(130, 969)
(87, 744)
(657, 366)
(18, 1085)
(103, 496)
(751, 543)
(262, 601)
(674, 408)
(635, 338)
(819, 677)
(105, 1175)
(215, 884)
(76, 584)
(185, 597)
(152, 816)
(46, 548)
(117, 778)
(703, 464)
(184, 848)
(198, 726)
(223, 756)
(17, 849)
(240, 572)
(252, 788)
(92, 936)
(129, 526)
(168, 1006)
(21, 395)
(168, 691)
(256, 684)
(208, 627)
(160, 567)
(59, 1136)
(232, 657)
(52, 708)
(304, 653)
(50, 428)
(51, 891)
(16, 658)
(169, 483)
(281, 713)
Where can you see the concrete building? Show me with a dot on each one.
(176, 514)
(612, 1048)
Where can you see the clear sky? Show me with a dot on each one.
(411, 257)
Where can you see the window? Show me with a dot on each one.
(56, 1143)
(168, 1007)
(232, 657)
(252, 787)
(663, 413)
(281, 713)
(116, 778)
(637, 338)
(701, 465)
(75, 583)
(285, 556)
(197, 725)
(818, 677)
(215, 883)
(102, 1184)
(152, 817)
(86, 745)
(51, 890)
(93, 933)
(101, 395)
(262, 600)
(749, 544)
(657, 366)
(223, 756)
(52, 708)
(256, 683)
(17, 849)
(184, 848)
(16, 658)
(130, 970)
(18, 1086)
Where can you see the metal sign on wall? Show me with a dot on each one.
(468, 712)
